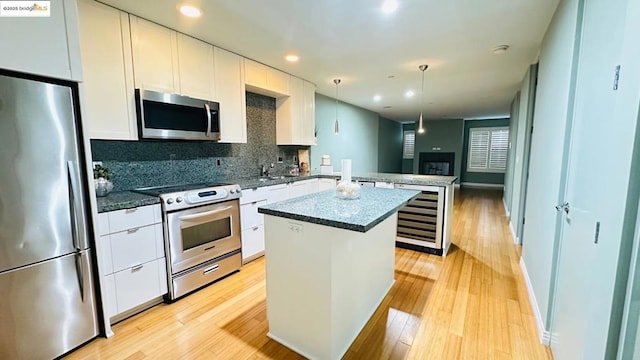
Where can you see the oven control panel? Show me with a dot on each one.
(186, 199)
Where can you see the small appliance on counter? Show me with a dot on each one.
(201, 233)
(325, 165)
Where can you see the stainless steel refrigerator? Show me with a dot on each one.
(47, 301)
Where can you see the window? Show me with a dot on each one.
(408, 144)
(488, 149)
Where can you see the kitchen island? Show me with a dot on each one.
(330, 262)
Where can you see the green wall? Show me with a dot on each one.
(372, 143)
(389, 146)
(479, 177)
(446, 134)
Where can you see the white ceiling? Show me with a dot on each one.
(355, 41)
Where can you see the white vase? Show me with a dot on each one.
(103, 186)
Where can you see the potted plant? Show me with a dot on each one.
(101, 176)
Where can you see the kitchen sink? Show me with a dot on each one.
(279, 177)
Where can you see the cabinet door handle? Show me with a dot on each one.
(254, 228)
(129, 211)
(136, 267)
(133, 231)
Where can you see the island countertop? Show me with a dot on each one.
(324, 208)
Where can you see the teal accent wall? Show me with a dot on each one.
(358, 138)
(444, 134)
(389, 146)
(479, 177)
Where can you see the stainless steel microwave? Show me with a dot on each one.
(171, 116)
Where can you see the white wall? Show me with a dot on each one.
(550, 119)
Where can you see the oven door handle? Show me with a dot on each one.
(203, 215)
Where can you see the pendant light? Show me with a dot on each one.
(336, 124)
(420, 128)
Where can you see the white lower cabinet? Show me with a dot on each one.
(252, 222)
(303, 187)
(139, 284)
(252, 243)
(132, 260)
(326, 184)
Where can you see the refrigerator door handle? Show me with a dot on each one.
(74, 204)
(80, 273)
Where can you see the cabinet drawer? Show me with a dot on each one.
(251, 195)
(249, 216)
(132, 218)
(135, 286)
(136, 246)
(252, 242)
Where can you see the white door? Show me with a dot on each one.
(598, 170)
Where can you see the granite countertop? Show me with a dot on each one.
(128, 199)
(119, 200)
(432, 180)
(324, 208)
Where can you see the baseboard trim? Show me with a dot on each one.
(544, 335)
(506, 209)
(482, 185)
(456, 186)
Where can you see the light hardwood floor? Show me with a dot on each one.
(472, 304)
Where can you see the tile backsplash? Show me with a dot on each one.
(136, 164)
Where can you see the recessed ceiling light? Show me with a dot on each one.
(377, 98)
(500, 49)
(190, 11)
(292, 57)
(389, 6)
(409, 94)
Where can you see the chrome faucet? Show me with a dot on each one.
(264, 169)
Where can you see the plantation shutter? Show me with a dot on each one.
(498, 150)
(488, 148)
(409, 143)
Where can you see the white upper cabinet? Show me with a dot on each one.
(107, 90)
(155, 56)
(295, 115)
(196, 65)
(309, 117)
(265, 80)
(229, 83)
(46, 46)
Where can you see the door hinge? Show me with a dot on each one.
(523, 221)
(616, 78)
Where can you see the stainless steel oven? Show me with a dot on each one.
(201, 232)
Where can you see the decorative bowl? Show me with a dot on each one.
(347, 190)
(103, 186)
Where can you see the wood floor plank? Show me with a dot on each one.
(471, 304)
